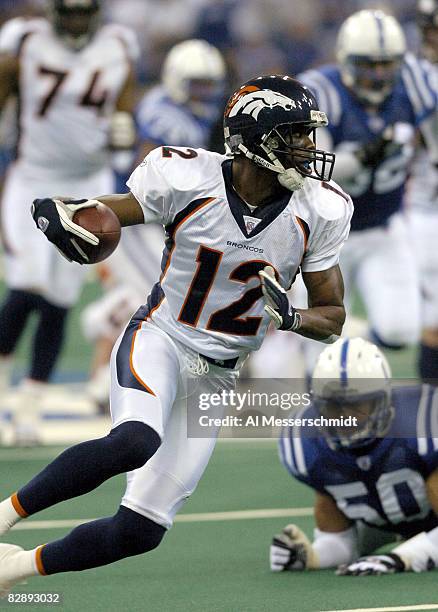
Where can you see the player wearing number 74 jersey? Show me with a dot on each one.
(73, 80)
(238, 229)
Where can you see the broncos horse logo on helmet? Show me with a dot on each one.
(261, 119)
(256, 101)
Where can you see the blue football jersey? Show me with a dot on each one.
(163, 122)
(383, 485)
(377, 192)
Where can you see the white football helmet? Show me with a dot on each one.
(194, 75)
(353, 377)
(370, 49)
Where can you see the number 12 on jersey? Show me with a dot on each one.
(228, 320)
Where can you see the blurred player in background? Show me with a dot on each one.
(180, 111)
(376, 97)
(375, 481)
(222, 283)
(422, 200)
(74, 82)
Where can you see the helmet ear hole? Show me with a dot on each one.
(273, 142)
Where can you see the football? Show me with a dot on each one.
(103, 223)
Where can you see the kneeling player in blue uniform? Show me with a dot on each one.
(375, 483)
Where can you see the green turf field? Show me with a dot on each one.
(208, 563)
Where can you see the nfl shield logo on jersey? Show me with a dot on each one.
(250, 223)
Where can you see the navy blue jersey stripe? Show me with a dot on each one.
(183, 214)
(126, 376)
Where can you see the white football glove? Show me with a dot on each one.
(373, 565)
(54, 218)
(292, 551)
(283, 314)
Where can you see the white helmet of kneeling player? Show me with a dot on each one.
(194, 75)
(352, 378)
(370, 49)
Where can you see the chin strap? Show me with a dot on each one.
(290, 179)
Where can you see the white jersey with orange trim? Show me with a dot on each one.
(209, 295)
(67, 97)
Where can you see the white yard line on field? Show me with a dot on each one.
(418, 608)
(49, 452)
(196, 517)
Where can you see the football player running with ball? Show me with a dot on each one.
(375, 481)
(222, 283)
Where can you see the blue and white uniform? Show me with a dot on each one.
(378, 258)
(384, 485)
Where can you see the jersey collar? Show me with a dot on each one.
(239, 207)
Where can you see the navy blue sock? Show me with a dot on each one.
(48, 340)
(14, 314)
(125, 534)
(428, 364)
(84, 467)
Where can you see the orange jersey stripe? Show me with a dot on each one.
(177, 228)
(18, 507)
(131, 365)
(39, 561)
(151, 312)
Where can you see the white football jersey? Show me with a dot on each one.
(66, 97)
(209, 295)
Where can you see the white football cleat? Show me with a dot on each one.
(16, 565)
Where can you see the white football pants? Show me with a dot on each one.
(150, 380)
